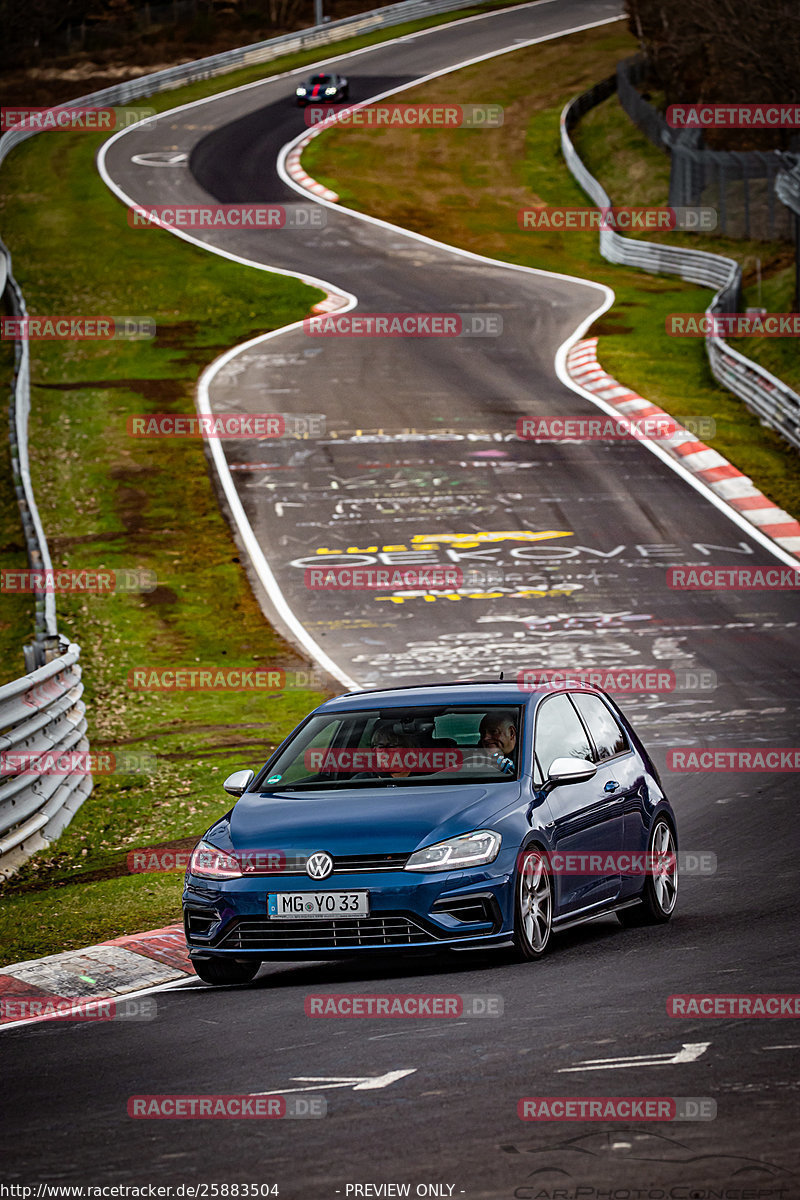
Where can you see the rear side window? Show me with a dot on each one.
(559, 733)
(607, 734)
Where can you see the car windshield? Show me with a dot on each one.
(320, 79)
(375, 747)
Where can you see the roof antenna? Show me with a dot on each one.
(501, 676)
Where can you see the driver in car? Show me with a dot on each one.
(384, 737)
(498, 733)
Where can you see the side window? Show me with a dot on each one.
(609, 737)
(461, 728)
(559, 733)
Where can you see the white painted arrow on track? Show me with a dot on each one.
(689, 1052)
(359, 1083)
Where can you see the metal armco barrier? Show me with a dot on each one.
(247, 56)
(48, 643)
(773, 401)
(787, 189)
(41, 712)
(43, 709)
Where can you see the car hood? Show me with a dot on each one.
(355, 821)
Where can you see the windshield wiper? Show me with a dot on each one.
(333, 783)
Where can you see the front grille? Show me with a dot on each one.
(369, 862)
(259, 933)
(342, 864)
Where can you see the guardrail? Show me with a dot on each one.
(42, 712)
(47, 642)
(775, 403)
(787, 189)
(247, 56)
(34, 809)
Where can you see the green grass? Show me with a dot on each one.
(465, 187)
(290, 62)
(68, 917)
(109, 501)
(15, 610)
(635, 172)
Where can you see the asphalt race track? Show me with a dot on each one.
(419, 463)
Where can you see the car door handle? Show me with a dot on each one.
(611, 786)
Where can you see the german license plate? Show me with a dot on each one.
(319, 906)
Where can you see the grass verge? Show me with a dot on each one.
(109, 501)
(466, 186)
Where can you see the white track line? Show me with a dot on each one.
(259, 560)
(563, 350)
(260, 563)
(80, 1007)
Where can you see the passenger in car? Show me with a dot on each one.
(498, 732)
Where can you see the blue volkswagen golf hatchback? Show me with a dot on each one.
(469, 815)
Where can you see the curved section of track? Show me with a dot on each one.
(420, 459)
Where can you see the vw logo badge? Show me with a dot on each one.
(319, 865)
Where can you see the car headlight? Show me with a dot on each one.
(300, 92)
(330, 91)
(467, 850)
(210, 863)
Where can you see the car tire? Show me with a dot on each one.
(218, 971)
(533, 905)
(660, 891)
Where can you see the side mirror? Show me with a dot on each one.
(570, 770)
(238, 782)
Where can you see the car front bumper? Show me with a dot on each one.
(408, 911)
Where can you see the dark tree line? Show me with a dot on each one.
(721, 51)
(34, 29)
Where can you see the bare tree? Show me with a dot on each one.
(721, 51)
